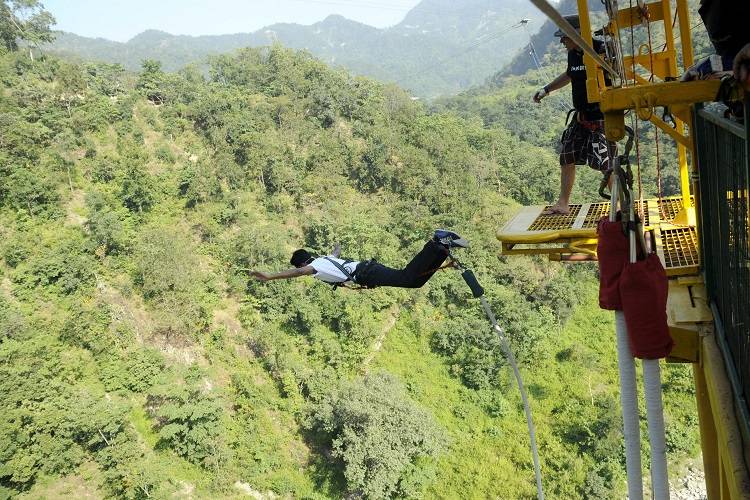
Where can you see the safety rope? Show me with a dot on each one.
(634, 124)
(660, 193)
(641, 205)
(632, 45)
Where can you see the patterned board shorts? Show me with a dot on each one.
(587, 146)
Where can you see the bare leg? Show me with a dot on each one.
(567, 179)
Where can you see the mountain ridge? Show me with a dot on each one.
(461, 45)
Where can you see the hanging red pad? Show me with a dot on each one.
(612, 252)
(643, 290)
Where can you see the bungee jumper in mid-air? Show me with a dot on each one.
(336, 271)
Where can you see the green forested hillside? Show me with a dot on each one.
(138, 361)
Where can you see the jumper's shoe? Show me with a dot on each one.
(450, 239)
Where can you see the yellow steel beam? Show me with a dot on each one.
(662, 65)
(709, 440)
(592, 69)
(674, 134)
(644, 98)
(684, 216)
(669, 36)
(659, 94)
(633, 17)
(733, 474)
(685, 348)
(683, 15)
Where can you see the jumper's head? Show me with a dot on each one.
(569, 44)
(301, 258)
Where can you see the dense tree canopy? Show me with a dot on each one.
(24, 20)
(135, 353)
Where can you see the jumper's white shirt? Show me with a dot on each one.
(326, 271)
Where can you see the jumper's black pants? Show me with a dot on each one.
(414, 275)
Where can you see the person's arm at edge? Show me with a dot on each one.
(558, 83)
(282, 275)
(555, 84)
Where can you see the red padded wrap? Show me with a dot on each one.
(612, 251)
(643, 289)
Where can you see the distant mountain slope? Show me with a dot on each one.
(441, 47)
(541, 40)
(544, 41)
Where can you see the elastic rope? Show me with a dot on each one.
(620, 63)
(505, 345)
(524, 397)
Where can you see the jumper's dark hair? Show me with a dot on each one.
(300, 258)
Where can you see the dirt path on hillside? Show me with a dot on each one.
(390, 322)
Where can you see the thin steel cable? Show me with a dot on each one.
(471, 47)
(561, 102)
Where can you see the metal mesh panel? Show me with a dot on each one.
(642, 208)
(723, 169)
(598, 210)
(595, 212)
(680, 247)
(555, 222)
(670, 206)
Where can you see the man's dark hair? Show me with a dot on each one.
(300, 258)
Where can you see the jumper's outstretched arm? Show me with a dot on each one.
(282, 275)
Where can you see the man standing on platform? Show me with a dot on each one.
(583, 141)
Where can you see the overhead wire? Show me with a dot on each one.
(367, 4)
(561, 101)
(477, 43)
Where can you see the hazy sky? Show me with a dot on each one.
(120, 20)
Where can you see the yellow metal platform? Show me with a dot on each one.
(573, 237)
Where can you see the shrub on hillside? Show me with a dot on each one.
(385, 442)
(137, 370)
(187, 422)
(59, 265)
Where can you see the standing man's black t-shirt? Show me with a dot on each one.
(577, 73)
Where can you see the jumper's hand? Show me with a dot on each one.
(742, 66)
(540, 94)
(260, 275)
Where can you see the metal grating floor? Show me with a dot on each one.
(680, 247)
(555, 222)
(642, 208)
(598, 210)
(595, 213)
(669, 207)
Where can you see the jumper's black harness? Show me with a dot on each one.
(349, 276)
